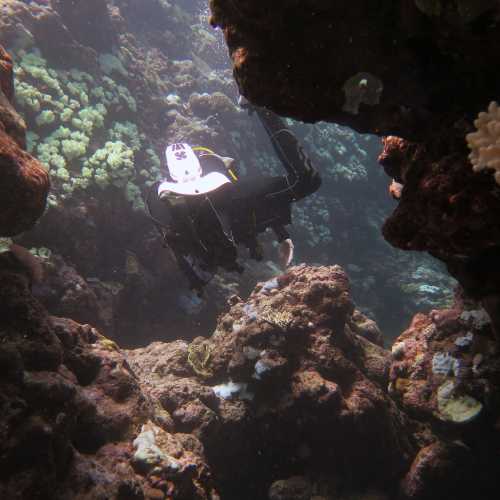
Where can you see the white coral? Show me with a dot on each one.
(485, 143)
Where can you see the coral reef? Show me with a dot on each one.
(485, 143)
(69, 118)
(293, 395)
(266, 404)
(283, 389)
(100, 124)
(23, 26)
(77, 16)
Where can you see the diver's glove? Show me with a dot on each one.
(244, 103)
(285, 253)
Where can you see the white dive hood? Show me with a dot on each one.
(183, 165)
(203, 185)
(185, 170)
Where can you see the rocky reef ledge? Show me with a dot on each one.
(24, 181)
(292, 396)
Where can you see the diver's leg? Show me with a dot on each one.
(303, 178)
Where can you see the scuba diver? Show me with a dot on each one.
(204, 210)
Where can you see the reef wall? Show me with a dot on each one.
(293, 395)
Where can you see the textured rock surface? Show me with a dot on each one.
(71, 408)
(284, 384)
(24, 182)
(446, 208)
(299, 57)
(450, 346)
(445, 369)
(285, 400)
(65, 293)
(287, 385)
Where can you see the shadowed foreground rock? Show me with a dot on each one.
(287, 399)
(70, 409)
(285, 386)
(24, 182)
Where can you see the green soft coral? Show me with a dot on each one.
(68, 121)
(90, 118)
(46, 117)
(35, 65)
(114, 163)
(127, 132)
(28, 96)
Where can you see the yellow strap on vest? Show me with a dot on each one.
(209, 151)
(202, 148)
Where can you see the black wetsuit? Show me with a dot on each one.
(209, 227)
(268, 199)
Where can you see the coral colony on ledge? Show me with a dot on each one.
(369, 369)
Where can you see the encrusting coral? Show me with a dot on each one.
(485, 143)
(277, 317)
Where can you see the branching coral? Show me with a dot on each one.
(485, 143)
